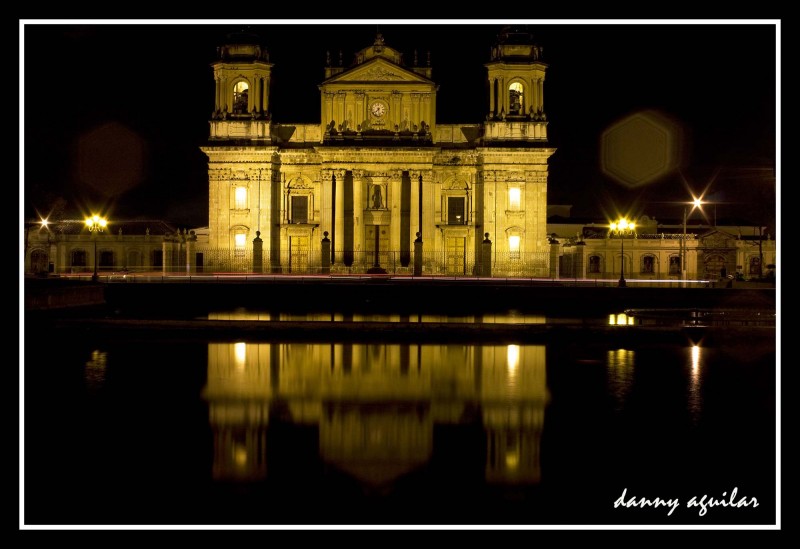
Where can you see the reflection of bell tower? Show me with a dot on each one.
(242, 76)
(516, 77)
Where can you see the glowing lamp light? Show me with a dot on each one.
(95, 224)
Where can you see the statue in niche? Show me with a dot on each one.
(377, 197)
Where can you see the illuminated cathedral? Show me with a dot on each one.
(378, 180)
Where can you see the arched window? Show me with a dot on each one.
(78, 258)
(755, 266)
(648, 265)
(514, 235)
(240, 91)
(515, 99)
(594, 263)
(39, 261)
(239, 234)
(674, 265)
(106, 260)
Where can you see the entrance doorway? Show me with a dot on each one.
(456, 255)
(298, 254)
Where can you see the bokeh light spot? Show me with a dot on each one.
(111, 159)
(641, 148)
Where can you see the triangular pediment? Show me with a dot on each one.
(716, 238)
(378, 70)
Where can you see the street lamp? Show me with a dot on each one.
(622, 228)
(95, 224)
(696, 203)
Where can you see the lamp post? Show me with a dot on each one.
(696, 203)
(95, 224)
(622, 228)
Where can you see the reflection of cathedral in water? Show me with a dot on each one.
(376, 408)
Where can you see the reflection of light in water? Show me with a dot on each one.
(512, 453)
(240, 455)
(240, 353)
(512, 362)
(695, 399)
(620, 320)
(620, 375)
(95, 371)
(512, 357)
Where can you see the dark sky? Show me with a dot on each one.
(155, 83)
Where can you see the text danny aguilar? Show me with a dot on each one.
(703, 503)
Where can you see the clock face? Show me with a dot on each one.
(378, 109)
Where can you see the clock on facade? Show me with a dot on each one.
(378, 109)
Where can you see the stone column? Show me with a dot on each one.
(265, 101)
(191, 258)
(486, 256)
(325, 254)
(338, 235)
(428, 209)
(418, 255)
(580, 260)
(217, 106)
(554, 251)
(258, 253)
(414, 225)
(326, 221)
(541, 94)
(491, 97)
(394, 191)
(358, 216)
(166, 255)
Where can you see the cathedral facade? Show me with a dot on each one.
(378, 181)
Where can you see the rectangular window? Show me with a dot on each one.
(513, 246)
(594, 264)
(674, 265)
(514, 194)
(648, 263)
(239, 240)
(158, 258)
(455, 210)
(299, 209)
(240, 197)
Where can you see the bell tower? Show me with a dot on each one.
(242, 76)
(516, 77)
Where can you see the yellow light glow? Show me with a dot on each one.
(613, 226)
(612, 319)
(513, 243)
(512, 357)
(95, 222)
(512, 459)
(695, 357)
(240, 239)
(44, 223)
(240, 353)
(513, 198)
(623, 224)
(240, 455)
(697, 202)
(241, 198)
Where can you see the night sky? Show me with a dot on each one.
(154, 84)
